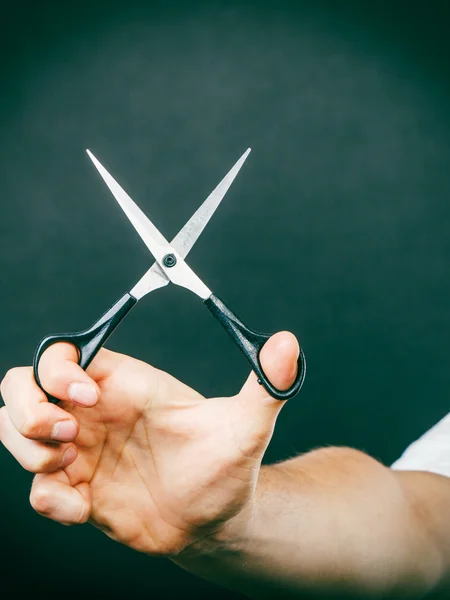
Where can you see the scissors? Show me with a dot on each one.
(170, 266)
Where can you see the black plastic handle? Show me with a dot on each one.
(89, 341)
(250, 343)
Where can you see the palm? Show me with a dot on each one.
(158, 466)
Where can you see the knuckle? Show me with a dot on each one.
(9, 379)
(41, 500)
(31, 428)
(40, 461)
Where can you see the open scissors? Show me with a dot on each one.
(170, 267)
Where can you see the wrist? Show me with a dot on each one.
(231, 537)
(227, 538)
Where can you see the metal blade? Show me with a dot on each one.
(189, 234)
(152, 238)
(178, 271)
(156, 277)
(186, 237)
(153, 279)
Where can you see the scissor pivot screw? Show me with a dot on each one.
(170, 260)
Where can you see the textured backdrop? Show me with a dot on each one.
(337, 228)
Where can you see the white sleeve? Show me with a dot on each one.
(431, 452)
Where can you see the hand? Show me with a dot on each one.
(135, 452)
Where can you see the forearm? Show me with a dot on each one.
(333, 520)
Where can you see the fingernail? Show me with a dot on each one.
(83, 393)
(64, 431)
(68, 456)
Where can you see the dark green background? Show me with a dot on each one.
(337, 228)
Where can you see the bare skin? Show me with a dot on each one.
(147, 463)
(159, 468)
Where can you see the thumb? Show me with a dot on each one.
(278, 359)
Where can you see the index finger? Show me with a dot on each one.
(62, 377)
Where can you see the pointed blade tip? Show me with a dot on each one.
(91, 156)
(97, 164)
